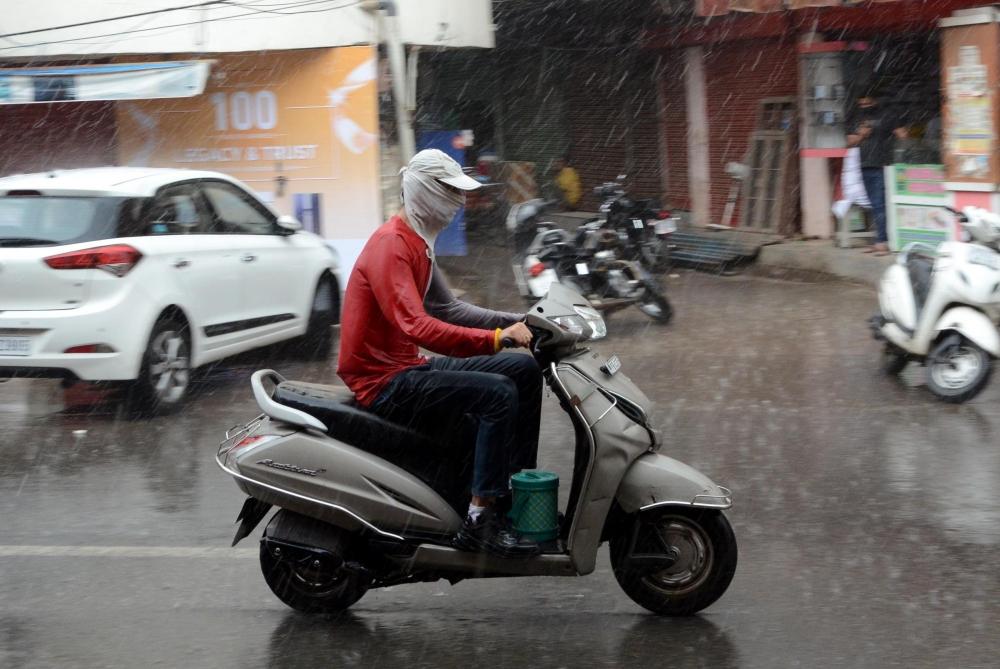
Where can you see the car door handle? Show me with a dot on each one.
(181, 263)
(248, 258)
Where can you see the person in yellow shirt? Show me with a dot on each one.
(568, 182)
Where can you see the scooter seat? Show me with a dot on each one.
(434, 461)
(345, 419)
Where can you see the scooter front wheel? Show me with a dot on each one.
(675, 561)
(957, 369)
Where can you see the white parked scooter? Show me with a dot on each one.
(941, 307)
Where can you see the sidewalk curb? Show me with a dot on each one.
(820, 260)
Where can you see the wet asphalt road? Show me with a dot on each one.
(867, 514)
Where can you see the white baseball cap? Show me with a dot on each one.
(441, 166)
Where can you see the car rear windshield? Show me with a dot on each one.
(34, 220)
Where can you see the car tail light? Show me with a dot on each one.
(117, 259)
(90, 348)
(536, 269)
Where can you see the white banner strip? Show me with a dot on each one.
(214, 553)
(91, 83)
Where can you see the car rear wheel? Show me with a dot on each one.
(165, 373)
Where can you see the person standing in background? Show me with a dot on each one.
(874, 135)
(568, 182)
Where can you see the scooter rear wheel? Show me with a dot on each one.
(702, 545)
(309, 586)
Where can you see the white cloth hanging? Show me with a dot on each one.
(852, 185)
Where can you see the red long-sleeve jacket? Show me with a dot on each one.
(384, 321)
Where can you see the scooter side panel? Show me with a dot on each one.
(972, 324)
(655, 480)
(896, 297)
(617, 443)
(374, 489)
(589, 364)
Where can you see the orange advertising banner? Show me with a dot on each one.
(299, 127)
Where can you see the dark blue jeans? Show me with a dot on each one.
(501, 393)
(874, 179)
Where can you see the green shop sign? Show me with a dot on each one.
(920, 181)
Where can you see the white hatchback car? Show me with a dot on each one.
(142, 274)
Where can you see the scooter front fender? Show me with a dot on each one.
(656, 480)
(972, 324)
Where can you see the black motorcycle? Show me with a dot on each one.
(589, 261)
(643, 226)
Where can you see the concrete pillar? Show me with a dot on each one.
(697, 117)
(970, 74)
(815, 187)
(816, 197)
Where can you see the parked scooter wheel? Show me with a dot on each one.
(655, 305)
(957, 369)
(310, 585)
(894, 359)
(702, 545)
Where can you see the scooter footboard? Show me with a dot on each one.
(657, 480)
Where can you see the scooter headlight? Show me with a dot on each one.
(587, 322)
(574, 324)
(594, 319)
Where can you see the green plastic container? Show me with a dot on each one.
(535, 510)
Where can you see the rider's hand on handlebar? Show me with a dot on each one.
(517, 333)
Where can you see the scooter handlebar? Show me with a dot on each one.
(961, 215)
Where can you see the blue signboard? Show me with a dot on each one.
(451, 241)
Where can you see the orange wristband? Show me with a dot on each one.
(496, 340)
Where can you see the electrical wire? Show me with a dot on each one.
(259, 8)
(115, 18)
(255, 13)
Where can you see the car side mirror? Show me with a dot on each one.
(288, 225)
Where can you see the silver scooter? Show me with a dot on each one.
(365, 503)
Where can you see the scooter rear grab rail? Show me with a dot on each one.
(276, 410)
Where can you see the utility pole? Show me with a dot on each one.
(387, 15)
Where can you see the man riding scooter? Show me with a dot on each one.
(397, 301)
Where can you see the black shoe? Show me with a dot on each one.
(488, 534)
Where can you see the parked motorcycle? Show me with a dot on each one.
(365, 503)
(644, 227)
(487, 206)
(941, 307)
(590, 261)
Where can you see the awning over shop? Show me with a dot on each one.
(118, 81)
(720, 7)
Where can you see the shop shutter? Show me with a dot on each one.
(738, 76)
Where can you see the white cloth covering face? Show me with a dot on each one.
(430, 205)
